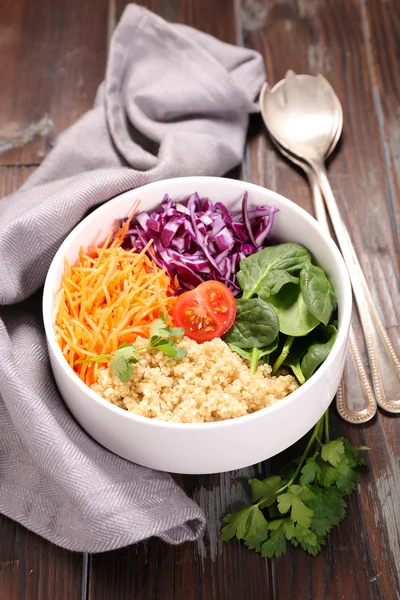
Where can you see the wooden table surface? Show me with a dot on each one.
(52, 58)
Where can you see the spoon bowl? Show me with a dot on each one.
(304, 114)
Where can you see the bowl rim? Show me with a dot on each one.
(48, 309)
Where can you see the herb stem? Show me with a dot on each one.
(255, 355)
(326, 420)
(283, 354)
(146, 347)
(314, 437)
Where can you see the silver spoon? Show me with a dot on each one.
(355, 399)
(301, 113)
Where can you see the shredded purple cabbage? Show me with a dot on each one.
(198, 241)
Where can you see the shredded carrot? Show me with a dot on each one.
(110, 296)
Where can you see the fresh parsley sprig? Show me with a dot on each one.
(303, 502)
(161, 338)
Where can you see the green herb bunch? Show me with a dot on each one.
(162, 338)
(284, 314)
(303, 502)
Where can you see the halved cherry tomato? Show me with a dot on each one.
(206, 312)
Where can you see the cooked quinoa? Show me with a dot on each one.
(211, 383)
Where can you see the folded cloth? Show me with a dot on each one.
(174, 102)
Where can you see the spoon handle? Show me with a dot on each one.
(355, 400)
(384, 364)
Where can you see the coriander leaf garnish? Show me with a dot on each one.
(291, 501)
(121, 362)
(310, 472)
(161, 338)
(244, 523)
(332, 452)
(301, 504)
(265, 489)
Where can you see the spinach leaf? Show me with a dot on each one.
(318, 352)
(294, 317)
(317, 291)
(247, 354)
(256, 271)
(256, 324)
(273, 283)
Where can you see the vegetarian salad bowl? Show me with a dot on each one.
(244, 305)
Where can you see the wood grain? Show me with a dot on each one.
(381, 30)
(52, 58)
(51, 61)
(312, 37)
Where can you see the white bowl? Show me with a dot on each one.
(201, 448)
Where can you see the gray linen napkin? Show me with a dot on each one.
(174, 102)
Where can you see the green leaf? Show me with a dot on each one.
(176, 331)
(275, 545)
(286, 525)
(299, 512)
(121, 362)
(256, 324)
(169, 348)
(282, 530)
(247, 354)
(310, 472)
(265, 489)
(244, 523)
(318, 352)
(308, 540)
(302, 491)
(273, 512)
(273, 283)
(159, 328)
(294, 317)
(254, 273)
(333, 452)
(180, 353)
(347, 477)
(343, 475)
(350, 451)
(255, 541)
(317, 292)
(329, 509)
(328, 475)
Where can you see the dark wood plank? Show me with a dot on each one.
(330, 37)
(30, 567)
(202, 571)
(52, 59)
(381, 27)
(216, 17)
